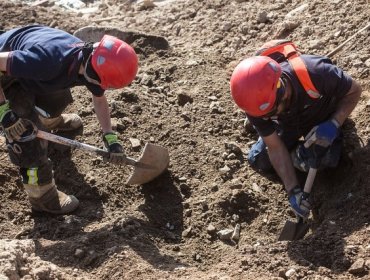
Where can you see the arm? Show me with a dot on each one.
(281, 161)
(325, 133)
(348, 103)
(102, 112)
(110, 138)
(3, 62)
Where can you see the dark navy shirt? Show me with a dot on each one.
(306, 112)
(44, 59)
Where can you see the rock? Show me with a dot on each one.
(225, 234)
(290, 272)
(145, 4)
(227, 26)
(236, 234)
(297, 11)
(191, 62)
(262, 17)
(135, 143)
(256, 188)
(79, 253)
(225, 169)
(236, 183)
(315, 44)
(146, 80)
(367, 264)
(186, 232)
(367, 63)
(232, 147)
(357, 267)
(211, 229)
(136, 109)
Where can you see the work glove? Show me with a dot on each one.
(13, 126)
(298, 200)
(323, 134)
(114, 148)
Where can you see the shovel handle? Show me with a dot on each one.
(337, 49)
(309, 181)
(78, 145)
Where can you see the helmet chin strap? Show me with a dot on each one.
(89, 79)
(89, 73)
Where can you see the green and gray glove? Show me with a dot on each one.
(114, 148)
(12, 125)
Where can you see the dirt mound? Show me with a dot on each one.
(170, 228)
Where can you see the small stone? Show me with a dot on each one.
(236, 234)
(262, 17)
(211, 229)
(367, 264)
(186, 232)
(256, 188)
(224, 169)
(290, 272)
(135, 143)
(357, 267)
(233, 148)
(79, 253)
(225, 234)
(227, 26)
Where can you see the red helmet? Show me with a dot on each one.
(115, 62)
(253, 85)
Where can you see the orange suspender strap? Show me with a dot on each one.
(300, 69)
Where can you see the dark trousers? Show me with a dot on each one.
(258, 155)
(32, 157)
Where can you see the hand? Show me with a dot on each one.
(114, 148)
(323, 134)
(12, 125)
(298, 200)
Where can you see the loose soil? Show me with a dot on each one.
(167, 229)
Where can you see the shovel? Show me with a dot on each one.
(95, 33)
(297, 230)
(152, 162)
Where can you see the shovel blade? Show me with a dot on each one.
(153, 162)
(293, 231)
(288, 231)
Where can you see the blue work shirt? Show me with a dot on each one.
(306, 112)
(45, 60)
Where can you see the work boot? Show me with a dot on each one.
(47, 198)
(65, 122)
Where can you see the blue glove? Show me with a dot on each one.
(298, 200)
(12, 125)
(323, 134)
(114, 148)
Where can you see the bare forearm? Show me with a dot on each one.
(102, 112)
(283, 166)
(280, 160)
(348, 103)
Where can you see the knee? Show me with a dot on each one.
(26, 154)
(258, 157)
